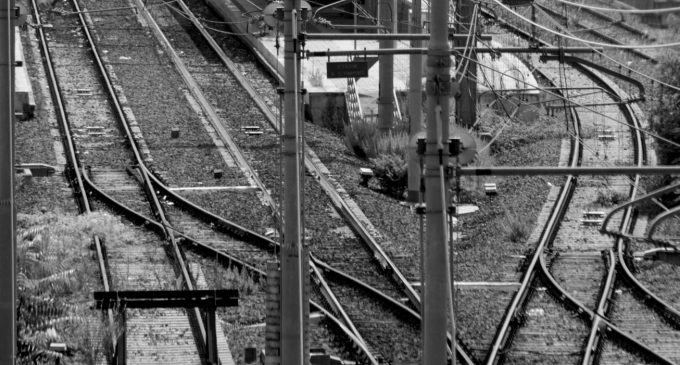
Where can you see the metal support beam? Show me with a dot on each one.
(209, 300)
(599, 171)
(391, 36)
(415, 106)
(166, 298)
(8, 331)
(387, 15)
(437, 290)
(358, 26)
(292, 312)
(454, 51)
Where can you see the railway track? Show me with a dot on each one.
(583, 251)
(330, 256)
(631, 63)
(122, 183)
(94, 133)
(126, 185)
(142, 267)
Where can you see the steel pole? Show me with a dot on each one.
(386, 72)
(438, 89)
(415, 108)
(292, 324)
(7, 213)
(466, 104)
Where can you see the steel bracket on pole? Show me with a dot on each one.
(439, 60)
(438, 86)
(16, 11)
(455, 88)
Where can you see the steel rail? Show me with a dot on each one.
(73, 170)
(640, 158)
(660, 306)
(227, 260)
(316, 171)
(213, 118)
(310, 165)
(190, 242)
(317, 265)
(361, 347)
(626, 224)
(177, 254)
(504, 332)
(594, 343)
(263, 242)
(650, 195)
(659, 219)
(563, 296)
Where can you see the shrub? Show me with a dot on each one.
(607, 198)
(666, 114)
(391, 170)
(517, 229)
(52, 275)
(364, 140)
(359, 137)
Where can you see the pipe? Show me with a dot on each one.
(415, 106)
(7, 207)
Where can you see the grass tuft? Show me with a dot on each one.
(517, 229)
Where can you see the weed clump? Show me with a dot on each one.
(391, 170)
(517, 229)
(385, 151)
(607, 198)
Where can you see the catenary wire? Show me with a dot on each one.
(628, 11)
(609, 45)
